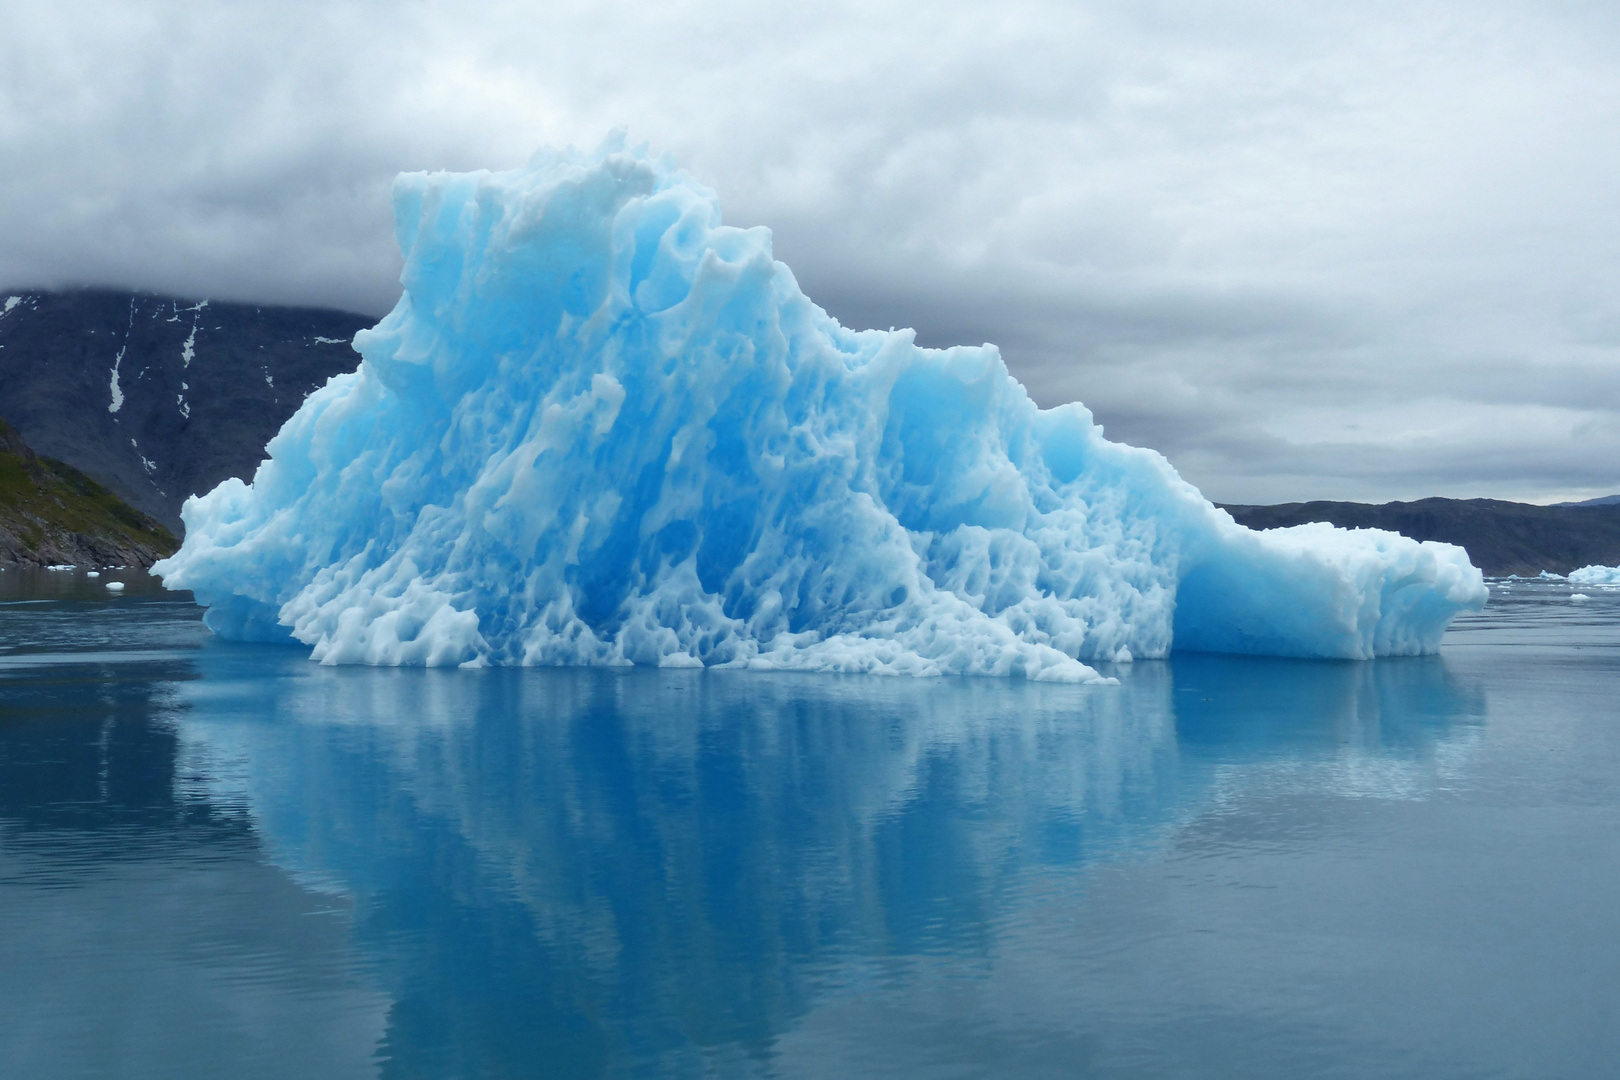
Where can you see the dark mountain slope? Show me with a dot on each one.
(51, 513)
(160, 398)
(1500, 537)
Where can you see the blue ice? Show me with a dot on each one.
(1595, 575)
(600, 427)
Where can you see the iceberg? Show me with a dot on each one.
(1595, 575)
(601, 427)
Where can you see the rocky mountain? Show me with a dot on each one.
(158, 398)
(1500, 537)
(51, 513)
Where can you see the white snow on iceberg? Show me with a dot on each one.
(600, 427)
(1595, 575)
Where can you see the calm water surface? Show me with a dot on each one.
(219, 860)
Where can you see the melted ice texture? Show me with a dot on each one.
(600, 427)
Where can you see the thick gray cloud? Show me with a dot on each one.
(1362, 250)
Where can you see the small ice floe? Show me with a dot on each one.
(115, 586)
(92, 573)
(1578, 597)
(62, 566)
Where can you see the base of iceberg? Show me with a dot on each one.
(600, 427)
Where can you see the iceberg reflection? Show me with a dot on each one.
(659, 869)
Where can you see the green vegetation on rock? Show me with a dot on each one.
(51, 513)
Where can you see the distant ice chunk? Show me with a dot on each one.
(600, 427)
(115, 586)
(1595, 575)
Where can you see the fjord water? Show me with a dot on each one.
(225, 860)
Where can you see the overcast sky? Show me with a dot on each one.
(1358, 250)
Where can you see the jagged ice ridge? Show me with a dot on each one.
(600, 427)
(1595, 575)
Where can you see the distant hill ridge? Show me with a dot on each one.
(1500, 537)
(158, 397)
